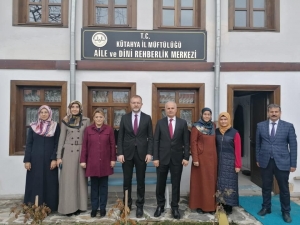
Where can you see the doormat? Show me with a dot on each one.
(252, 204)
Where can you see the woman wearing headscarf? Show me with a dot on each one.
(73, 191)
(40, 160)
(204, 167)
(98, 156)
(229, 161)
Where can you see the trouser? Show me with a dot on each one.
(99, 189)
(162, 174)
(140, 169)
(282, 178)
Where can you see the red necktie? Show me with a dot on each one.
(171, 128)
(135, 124)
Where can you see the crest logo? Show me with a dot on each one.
(99, 39)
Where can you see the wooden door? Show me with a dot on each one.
(258, 113)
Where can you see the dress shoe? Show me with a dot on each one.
(93, 213)
(176, 214)
(264, 211)
(286, 217)
(77, 212)
(200, 211)
(158, 211)
(69, 214)
(139, 212)
(102, 212)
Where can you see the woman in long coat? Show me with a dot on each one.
(98, 156)
(204, 167)
(40, 160)
(73, 192)
(229, 161)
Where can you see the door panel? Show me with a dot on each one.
(258, 113)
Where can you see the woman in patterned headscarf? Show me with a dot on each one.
(73, 192)
(204, 167)
(40, 160)
(229, 161)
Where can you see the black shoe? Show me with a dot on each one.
(93, 213)
(176, 214)
(264, 212)
(102, 212)
(139, 212)
(286, 217)
(158, 211)
(69, 214)
(200, 211)
(228, 210)
(77, 212)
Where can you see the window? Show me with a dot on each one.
(179, 14)
(113, 98)
(188, 97)
(260, 15)
(109, 13)
(41, 12)
(26, 98)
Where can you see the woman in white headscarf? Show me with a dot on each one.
(40, 160)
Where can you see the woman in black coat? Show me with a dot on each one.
(40, 160)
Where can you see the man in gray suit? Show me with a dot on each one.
(171, 152)
(135, 146)
(276, 154)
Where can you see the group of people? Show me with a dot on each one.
(82, 150)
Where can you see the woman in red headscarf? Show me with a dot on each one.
(40, 160)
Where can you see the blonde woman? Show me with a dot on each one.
(98, 156)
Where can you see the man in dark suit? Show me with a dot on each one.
(171, 152)
(135, 149)
(276, 154)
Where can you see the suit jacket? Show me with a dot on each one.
(283, 145)
(143, 140)
(175, 149)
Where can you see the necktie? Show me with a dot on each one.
(273, 130)
(135, 124)
(171, 128)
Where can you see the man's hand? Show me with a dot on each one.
(185, 162)
(196, 163)
(156, 163)
(293, 169)
(237, 170)
(27, 166)
(121, 158)
(53, 164)
(148, 158)
(83, 165)
(257, 164)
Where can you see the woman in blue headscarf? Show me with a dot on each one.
(204, 167)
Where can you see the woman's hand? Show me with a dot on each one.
(237, 170)
(27, 166)
(196, 163)
(58, 162)
(83, 165)
(112, 164)
(53, 164)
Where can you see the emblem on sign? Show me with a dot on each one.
(99, 39)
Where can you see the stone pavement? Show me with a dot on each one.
(239, 215)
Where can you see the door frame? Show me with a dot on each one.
(274, 98)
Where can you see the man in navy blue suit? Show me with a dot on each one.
(276, 154)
